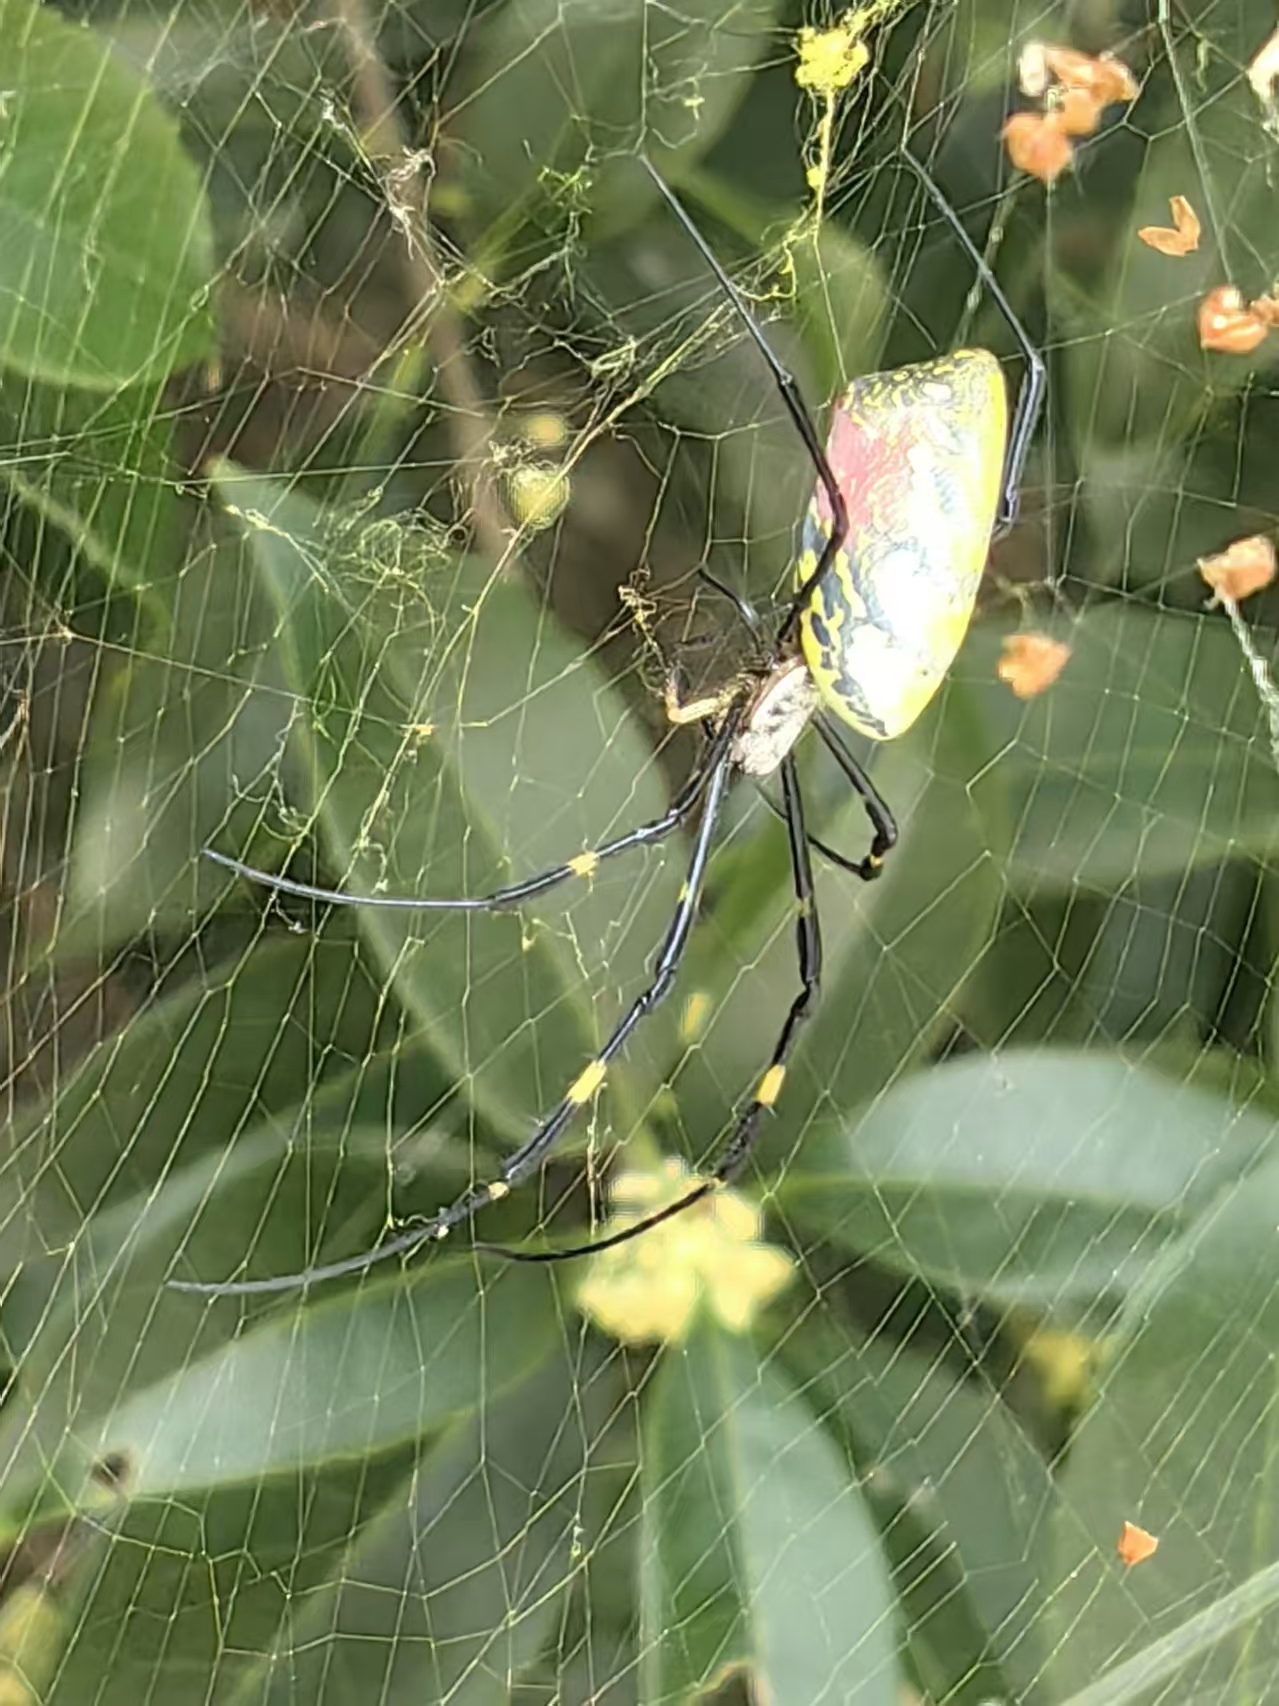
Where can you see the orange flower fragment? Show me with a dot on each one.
(1107, 79)
(1226, 325)
(1182, 237)
(1075, 88)
(1135, 1545)
(1076, 110)
(1038, 143)
(1267, 308)
(1241, 569)
(1030, 663)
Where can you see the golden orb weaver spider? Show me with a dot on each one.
(919, 473)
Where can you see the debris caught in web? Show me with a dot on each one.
(1136, 1545)
(1230, 327)
(1074, 89)
(1030, 663)
(1181, 237)
(1243, 568)
(1037, 144)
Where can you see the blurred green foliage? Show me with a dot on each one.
(275, 362)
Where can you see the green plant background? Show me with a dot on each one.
(274, 362)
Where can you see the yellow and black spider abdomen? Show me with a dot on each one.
(918, 454)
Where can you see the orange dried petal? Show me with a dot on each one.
(1164, 239)
(1107, 79)
(1243, 568)
(1226, 325)
(1266, 308)
(1182, 238)
(1185, 219)
(1116, 82)
(1030, 663)
(1136, 1545)
(1078, 111)
(1038, 144)
(1069, 66)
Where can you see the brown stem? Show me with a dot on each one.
(399, 169)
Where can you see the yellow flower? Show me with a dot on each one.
(545, 430)
(650, 1288)
(830, 59)
(538, 493)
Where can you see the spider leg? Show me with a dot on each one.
(793, 399)
(881, 818)
(829, 853)
(1030, 398)
(808, 944)
(737, 1151)
(746, 612)
(582, 865)
(531, 1154)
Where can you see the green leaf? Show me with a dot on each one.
(186, 736)
(594, 1653)
(1044, 1178)
(191, 1074)
(759, 1553)
(485, 1531)
(105, 244)
(348, 1376)
(1164, 957)
(431, 1572)
(481, 1517)
(99, 468)
(193, 1594)
(185, 1396)
(452, 738)
(93, 1328)
(958, 1490)
(557, 85)
(108, 1287)
(1181, 1441)
(1148, 757)
(1230, 1615)
(842, 297)
(121, 1180)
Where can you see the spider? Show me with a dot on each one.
(919, 473)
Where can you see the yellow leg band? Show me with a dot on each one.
(584, 1087)
(770, 1086)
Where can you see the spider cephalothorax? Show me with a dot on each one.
(784, 703)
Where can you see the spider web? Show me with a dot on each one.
(351, 367)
